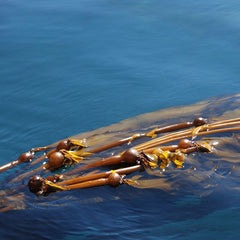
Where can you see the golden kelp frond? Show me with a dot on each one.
(157, 183)
(82, 153)
(71, 155)
(55, 186)
(152, 133)
(80, 143)
(165, 161)
(164, 157)
(133, 137)
(199, 129)
(177, 158)
(205, 147)
(149, 160)
(152, 165)
(133, 180)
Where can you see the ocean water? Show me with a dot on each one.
(73, 66)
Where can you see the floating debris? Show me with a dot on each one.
(79, 164)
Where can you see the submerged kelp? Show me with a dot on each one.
(190, 149)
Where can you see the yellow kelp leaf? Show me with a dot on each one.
(77, 153)
(158, 152)
(80, 143)
(178, 164)
(150, 160)
(51, 184)
(133, 180)
(158, 183)
(205, 147)
(71, 156)
(152, 133)
(133, 137)
(81, 153)
(129, 181)
(198, 129)
(163, 156)
(152, 165)
(178, 159)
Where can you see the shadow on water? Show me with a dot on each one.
(193, 202)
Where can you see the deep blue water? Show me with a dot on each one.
(72, 66)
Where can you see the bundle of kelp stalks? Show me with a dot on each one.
(77, 165)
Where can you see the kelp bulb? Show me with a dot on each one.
(35, 184)
(64, 144)
(185, 143)
(131, 155)
(56, 160)
(26, 157)
(199, 121)
(114, 179)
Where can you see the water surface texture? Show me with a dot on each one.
(73, 66)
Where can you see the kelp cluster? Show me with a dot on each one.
(75, 163)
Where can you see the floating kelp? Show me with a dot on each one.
(167, 149)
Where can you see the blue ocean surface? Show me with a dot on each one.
(73, 66)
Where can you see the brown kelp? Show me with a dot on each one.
(154, 150)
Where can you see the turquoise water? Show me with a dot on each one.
(72, 66)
